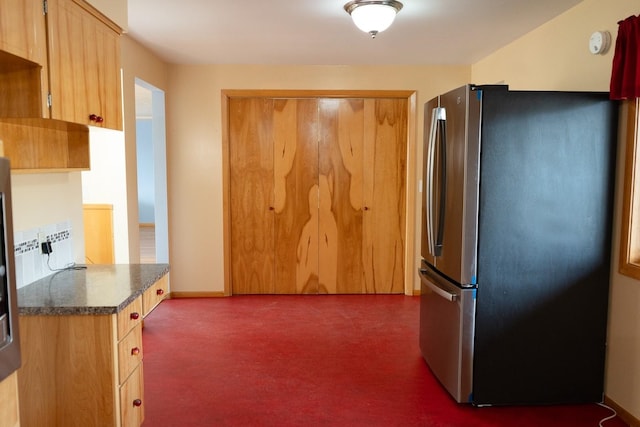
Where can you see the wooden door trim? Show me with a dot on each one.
(410, 181)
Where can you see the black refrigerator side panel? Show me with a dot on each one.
(544, 247)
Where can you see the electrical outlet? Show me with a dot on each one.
(46, 247)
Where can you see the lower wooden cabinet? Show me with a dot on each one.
(85, 369)
(9, 413)
(132, 398)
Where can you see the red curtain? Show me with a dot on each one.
(625, 74)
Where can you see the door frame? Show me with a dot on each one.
(410, 182)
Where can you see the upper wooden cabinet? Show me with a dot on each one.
(23, 60)
(84, 65)
(22, 29)
(59, 59)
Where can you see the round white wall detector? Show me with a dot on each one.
(599, 42)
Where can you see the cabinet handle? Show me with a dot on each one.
(96, 118)
(135, 351)
(160, 292)
(135, 316)
(137, 403)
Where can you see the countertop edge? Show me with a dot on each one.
(60, 310)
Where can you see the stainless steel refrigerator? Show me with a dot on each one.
(516, 243)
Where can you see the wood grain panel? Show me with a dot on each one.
(295, 194)
(384, 183)
(67, 376)
(341, 169)
(98, 233)
(41, 144)
(9, 407)
(155, 294)
(129, 353)
(20, 87)
(84, 66)
(251, 195)
(338, 194)
(22, 29)
(130, 391)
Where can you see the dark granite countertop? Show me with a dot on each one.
(98, 289)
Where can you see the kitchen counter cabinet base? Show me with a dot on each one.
(9, 412)
(82, 362)
(66, 362)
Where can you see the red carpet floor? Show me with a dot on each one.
(309, 361)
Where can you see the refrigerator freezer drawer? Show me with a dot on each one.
(447, 314)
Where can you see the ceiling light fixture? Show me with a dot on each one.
(373, 16)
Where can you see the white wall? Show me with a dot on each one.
(40, 202)
(106, 183)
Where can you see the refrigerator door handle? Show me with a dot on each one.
(437, 289)
(442, 125)
(429, 184)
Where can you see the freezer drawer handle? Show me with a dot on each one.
(438, 290)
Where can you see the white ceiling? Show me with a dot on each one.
(320, 32)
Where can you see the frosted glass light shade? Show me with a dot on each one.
(373, 16)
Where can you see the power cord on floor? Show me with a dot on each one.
(610, 417)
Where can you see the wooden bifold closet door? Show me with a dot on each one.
(317, 195)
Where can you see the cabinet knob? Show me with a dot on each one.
(135, 316)
(96, 118)
(137, 403)
(135, 351)
(160, 292)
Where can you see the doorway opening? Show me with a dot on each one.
(152, 173)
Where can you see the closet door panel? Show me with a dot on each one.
(340, 184)
(251, 195)
(296, 195)
(384, 195)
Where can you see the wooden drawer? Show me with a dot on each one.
(132, 399)
(156, 293)
(130, 352)
(129, 317)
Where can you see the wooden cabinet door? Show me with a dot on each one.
(342, 133)
(251, 195)
(84, 66)
(295, 179)
(23, 59)
(317, 195)
(22, 29)
(385, 154)
(362, 206)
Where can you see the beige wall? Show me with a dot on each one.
(555, 57)
(137, 62)
(116, 10)
(552, 57)
(195, 147)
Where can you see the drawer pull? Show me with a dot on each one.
(135, 316)
(137, 403)
(160, 292)
(135, 351)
